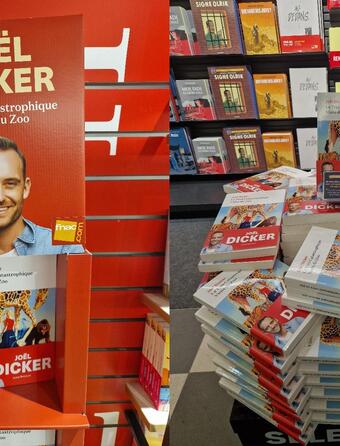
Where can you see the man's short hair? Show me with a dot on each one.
(7, 144)
(327, 163)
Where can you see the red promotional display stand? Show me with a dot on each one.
(59, 404)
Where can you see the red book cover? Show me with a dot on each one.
(333, 4)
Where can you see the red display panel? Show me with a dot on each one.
(108, 389)
(141, 110)
(134, 156)
(114, 363)
(126, 235)
(143, 271)
(97, 437)
(117, 304)
(116, 334)
(139, 197)
(141, 53)
(92, 409)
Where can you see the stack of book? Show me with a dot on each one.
(302, 211)
(257, 340)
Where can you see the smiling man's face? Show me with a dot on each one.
(14, 188)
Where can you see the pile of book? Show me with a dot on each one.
(155, 363)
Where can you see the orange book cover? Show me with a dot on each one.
(279, 149)
(260, 30)
(42, 159)
(272, 95)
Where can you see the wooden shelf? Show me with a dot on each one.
(153, 419)
(158, 303)
(35, 406)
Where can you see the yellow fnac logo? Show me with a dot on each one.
(65, 230)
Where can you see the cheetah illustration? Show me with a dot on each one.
(257, 274)
(256, 314)
(20, 301)
(330, 331)
(240, 294)
(332, 263)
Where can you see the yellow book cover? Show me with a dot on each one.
(272, 95)
(259, 27)
(279, 149)
(334, 39)
(337, 87)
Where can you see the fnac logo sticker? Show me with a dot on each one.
(68, 232)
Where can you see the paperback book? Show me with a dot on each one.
(240, 264)
(279, 149)
(196, 100)
(181, 157)
(272, 94)
(217, 25)
(181, 40)
(211, 155)
(247, 226)
(233, 92)
(260, 28)
(307, 140)
(245, 149)
(334, 47)
(196, 45)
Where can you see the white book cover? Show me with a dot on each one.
(27, 437)
(305, 84)
(312, 305)
(308, 147)
(247, 225)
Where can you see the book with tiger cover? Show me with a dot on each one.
(245, 149)
(233, 92)
(218, 27)
(181, 40)
(272, 94)
(247, 226)
(27, 319)
(279, 149)
(260, 27)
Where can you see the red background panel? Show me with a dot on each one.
(142, 110)
(104, 20)
(114, 363)
(116, 334)
(129, 271)
(117, 304)
(144, 197)
(126, 235)
(108, 389)
(93, 437)
(134, 156)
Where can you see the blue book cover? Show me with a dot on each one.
(181, 157)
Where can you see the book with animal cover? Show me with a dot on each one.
(181, 157)
(260, 28)
(27, 317)
(328, 146)
(181, 40)
(305, 85)
(196, 100)
(307, 140)
(245, 149)
(247, 226)
(218, 27)
(270, 180)
(42, 133)
(334, 47)
(272, 94)
(211, 155)
(303, 188)
(196, 45)
(300, 25)
(279, 149)
(233, 92)
(241, 264)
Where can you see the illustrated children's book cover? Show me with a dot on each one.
(27, 319)
(181, 40)
(279, 149)
(272, 94)
(42, 133)
(196, 100)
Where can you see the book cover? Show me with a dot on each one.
(41, 108)
(27, 317)
(272, 179)
(259, 25)
(307, 140)
(245, 149)
(272, 94)
(279, 149)
(181, 40)
(299, 22)
(334, 47)
(305, 84)
(196, 100)
(181, 157)
(217, 25)
(247, 225)
(328, 145)
(233, 91)
(211, 155)
(196, 45)
(303, 188)
(299, 210)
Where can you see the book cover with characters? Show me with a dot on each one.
(181, 40)
(279, 149)
(27, 319)
(272, 93)
(41, 134)
(196, 100)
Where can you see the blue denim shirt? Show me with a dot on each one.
(36, 240)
